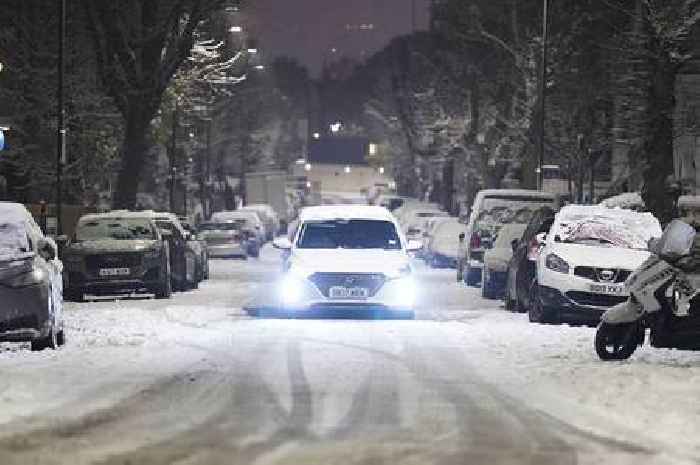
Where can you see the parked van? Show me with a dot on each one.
(493, 208)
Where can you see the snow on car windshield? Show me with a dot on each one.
(349, 234)
(617, 228)
(111, 228)
(13, 238)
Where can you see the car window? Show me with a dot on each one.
(114, 228)
(350, 234)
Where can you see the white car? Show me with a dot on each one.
(252, 221)
(347, 258)
(269, 217)
(584, 261)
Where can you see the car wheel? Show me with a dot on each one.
(206, 268)
(538, 313)
(165, 290)
(508, 301)
(50, 341)
(61, 338)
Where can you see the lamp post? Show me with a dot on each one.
(542, 91)
(61, 126)
(173, 152)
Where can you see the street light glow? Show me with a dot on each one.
(372, 149)
(381, 170)
(336, 127)
(252, 51)
(307, 167)
(317, 136)
(235, 29)
(260, 67)
(347, 170)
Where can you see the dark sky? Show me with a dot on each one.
(309, 29)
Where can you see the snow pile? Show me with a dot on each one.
(627, 200)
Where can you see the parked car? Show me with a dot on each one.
(199, 247)
(496, 259)
(184, 251)
(521, 269)
(347, 258)
(31, 284)
(491, 209)
(251, 219)
(226, 239)
(442, 247)
(585, 259)
(115, 253)
(269, 218)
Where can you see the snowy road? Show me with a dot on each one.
(195, 380)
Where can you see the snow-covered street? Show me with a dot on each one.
(196, 380)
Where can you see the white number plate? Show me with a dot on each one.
(340, 292)
(114, 272)
(607, 289)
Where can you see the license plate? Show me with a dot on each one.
(114, 272)
(340, 292)
(607, 289)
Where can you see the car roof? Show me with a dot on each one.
(516, 192)
(346, 212)
(13, 212)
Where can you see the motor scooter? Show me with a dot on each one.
(664, 298)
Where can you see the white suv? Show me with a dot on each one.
(347, 258)
(584, 261)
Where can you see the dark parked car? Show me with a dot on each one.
(114, 253)
(183, 253)
(199, 247)
(521, 268)
(31, 306)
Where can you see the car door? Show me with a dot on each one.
(527, 268)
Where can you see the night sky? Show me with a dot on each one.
(308, 29)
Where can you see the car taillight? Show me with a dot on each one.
(475, 241)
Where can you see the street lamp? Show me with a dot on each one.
(542, 90)
(259, 67)
(372, 149)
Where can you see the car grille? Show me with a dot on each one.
(371, 281)
(599, 274)
(113, 260)
(595, 300)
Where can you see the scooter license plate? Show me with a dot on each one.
(607, 289)
(341, 292)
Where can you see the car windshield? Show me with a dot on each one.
(349, 234)
(114, 228)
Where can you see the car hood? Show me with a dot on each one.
(600, 257)
(108, 246)
(310, 261)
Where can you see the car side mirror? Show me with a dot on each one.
(282, 243)
(514, 244)
(47, 249)
(414, 245)
(462, 236)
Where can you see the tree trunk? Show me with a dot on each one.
(134, 149)
(659, 142)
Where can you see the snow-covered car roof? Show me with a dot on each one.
(621, 226)
(624, 200)
(13, 212)
(689, 201)
(13, 240)
(346, 212)
(233, 214)
(515, 193)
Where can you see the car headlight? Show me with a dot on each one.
(30, 278)
(291, 289)
(404, 291)
(555, 263)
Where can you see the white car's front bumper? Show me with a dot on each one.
(301, 294)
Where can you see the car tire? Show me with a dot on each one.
(538, 313)
(624, 338)
(206, 268)
(50, 341)
(510, 304)
(165, 290)
(61, 338)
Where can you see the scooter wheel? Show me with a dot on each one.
(616, 342)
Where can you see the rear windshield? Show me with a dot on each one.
(115, 228)
(349, 234)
